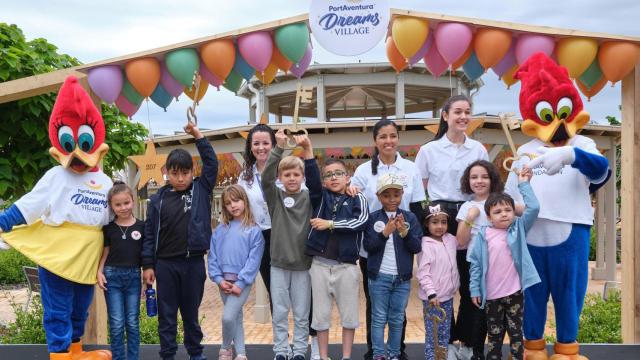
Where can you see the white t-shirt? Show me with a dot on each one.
(388, 265)
(479, 222)
(64, 196)
(443, 163)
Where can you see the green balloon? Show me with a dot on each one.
(182, 64)
(130, 93)
(592, 75)
(233, 81)
(292, 41)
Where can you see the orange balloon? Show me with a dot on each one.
(280, 60)
(204, 85)
(463, 59)
(508, 78)
(143, 74)
(591, 92)
(219, 57)
(617, 59)
(268, 75)
(398, 62)
(491, 45)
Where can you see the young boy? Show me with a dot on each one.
(501, 267)
(393, 236)
(290, 211)
(338, 226)
(177, 235)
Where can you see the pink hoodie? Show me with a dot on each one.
(437, 268)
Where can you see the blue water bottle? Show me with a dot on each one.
(152, 305)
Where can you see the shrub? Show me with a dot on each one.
(11, 263)
(600, 321)
(149, 328)
(27, 327)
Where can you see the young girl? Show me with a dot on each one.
(438, 278)
(234, 260)
(119, 272)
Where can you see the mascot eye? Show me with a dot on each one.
(65, 137)
(565, 106)
(544, 111)
(85, 138)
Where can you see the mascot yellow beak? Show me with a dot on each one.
(558, 131)
(79, 161)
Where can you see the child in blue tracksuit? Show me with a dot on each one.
(501, 267)
(234, 260)
(392, 237)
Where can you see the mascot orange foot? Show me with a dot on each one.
(567, 352)
(76, 353)
(535, 350)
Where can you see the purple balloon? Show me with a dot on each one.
(106, 81)
(423, 50)
(452, 40)
(209, 76)
(170, 85)
(507, 62)
(125, 106)
(256, 48)
(298, 69)
(434, 61)
(529, 44)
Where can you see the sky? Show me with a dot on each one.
(100, 30)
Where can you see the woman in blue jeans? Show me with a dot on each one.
(119, 273)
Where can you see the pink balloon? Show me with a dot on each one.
(125, 106)
(423, 50)
(298, 69)
(434, 61)
(209, 76)
(507, 62)
(106, 81)
(256, 48)
(529, 44)
(169, 84)
(452, 40)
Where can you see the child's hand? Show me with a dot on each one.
(434, 302)
(473, 214)
(476, 300)
(401, 226)
(320, 224)
(149, 276)
(352, 190)
(525, 174)
(102, 281)
(281, 139)
(389, 228)
(192, 129)
(302, 141)
(225, 286)
(235, 290)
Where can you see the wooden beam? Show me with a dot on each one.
(630, 165)
(35, 85)
(610, 209)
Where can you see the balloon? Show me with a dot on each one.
(182, 65)
(590, 92)
(106, 81)
(491, 45)
(268, 75)
(161, 97)
(529, 44)
(434, 62)
(576, 54)
(592, 75)
(209, 77)
(131, 94)
(299, 69)
(463, 59)
(423, 50)
(507, 61)
(144, 74)
(219, 57)
(242, 67)
(191, 93)
(396, 59)
(280, 60)
(256, 48)
(472, 68)
(125, 106)
(233, 82)
(508, 78)
(169, 84)
(409, 34)
(452, 40)
(617, 59)
(292, 40)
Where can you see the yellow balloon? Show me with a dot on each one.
(409, 34)
(508, 78)
(576, 54)
(268, 75)
(204, 85)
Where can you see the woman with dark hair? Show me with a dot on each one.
(442, 162)
(386, 159)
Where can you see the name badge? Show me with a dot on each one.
(288, 202)
(135, 235)
(378, 226)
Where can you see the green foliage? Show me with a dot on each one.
(593, 244)
(27, 328)
(600, 320)
(11, 263)
(149, 328)
(123, 137)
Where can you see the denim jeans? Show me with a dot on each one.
(389, 298)
(123, 306)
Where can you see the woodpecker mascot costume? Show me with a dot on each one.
(567, 168)
(59, 223)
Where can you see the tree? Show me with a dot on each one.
(24, 141)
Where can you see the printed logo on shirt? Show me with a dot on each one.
(90, 200)
(136, 235)
(288, 202)
(93, 185)
(187, 200)
(378, 226)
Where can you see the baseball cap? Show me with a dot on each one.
(388, 181)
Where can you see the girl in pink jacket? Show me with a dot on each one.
(438, 277)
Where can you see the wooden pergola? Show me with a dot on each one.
(630, 135)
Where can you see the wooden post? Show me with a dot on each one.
(598, 272)
(630, 165)
(610, 210)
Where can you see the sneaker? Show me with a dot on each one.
(240, 357)
(225, 354)
(465, 353)
(315, 350)
(280, 357)
(299, 357)
(452, 352)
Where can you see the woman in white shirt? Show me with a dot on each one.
(442, 162)
(386, 159)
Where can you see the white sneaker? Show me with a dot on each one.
(315, 349)
(465, 353)
(452, 352)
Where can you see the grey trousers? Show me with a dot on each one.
(232, 328)
(290, 290)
